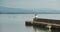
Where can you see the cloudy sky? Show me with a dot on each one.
(29, 4)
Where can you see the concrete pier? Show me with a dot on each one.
(43, 24)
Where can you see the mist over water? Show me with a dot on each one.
(16, 22)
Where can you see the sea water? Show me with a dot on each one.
(16, 22)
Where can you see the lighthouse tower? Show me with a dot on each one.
(36, 16)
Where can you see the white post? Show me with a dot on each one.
(49, 26)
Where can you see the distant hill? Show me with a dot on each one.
(14, 10)
(6, 10)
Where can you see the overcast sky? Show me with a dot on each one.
(29, 4)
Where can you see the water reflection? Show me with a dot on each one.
(39, 29)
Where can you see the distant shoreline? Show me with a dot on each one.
(29, 13)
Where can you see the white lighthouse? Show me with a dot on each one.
(36, 15)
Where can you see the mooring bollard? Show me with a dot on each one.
(49, 27)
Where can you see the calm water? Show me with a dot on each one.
(16, 22)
